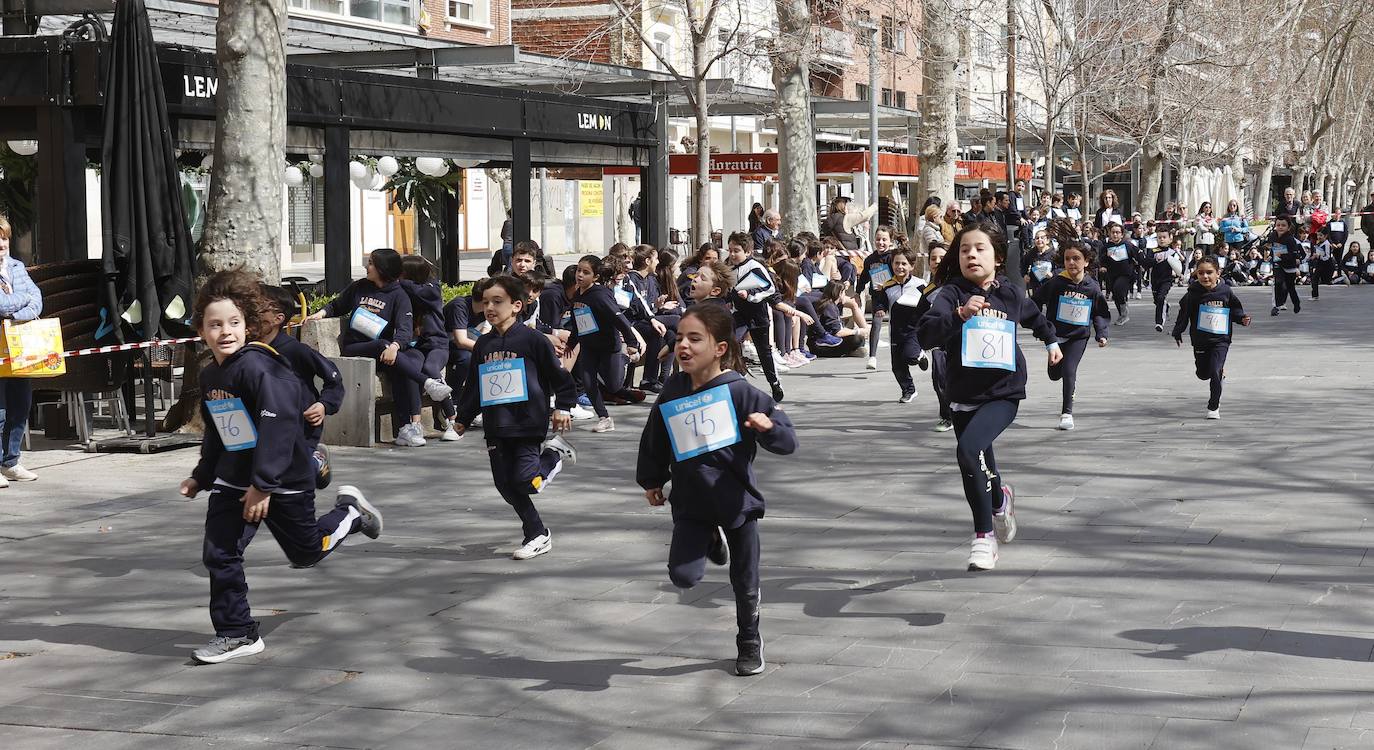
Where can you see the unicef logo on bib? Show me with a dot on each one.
(701, 423)
(880, 274)
(989, 343)
(585, 320)
(232, 423)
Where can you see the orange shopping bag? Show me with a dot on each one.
(33, 349)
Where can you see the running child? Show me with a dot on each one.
(1207, 310)
(1286, 254)
(1163, 263)
(279, 306)
(711, 285)
(1119, 258)
(255, 462)
(752, 304)
(598, 327)
(702, 436)
(901, 296)
(1079, 312)
(973, 317)
(877, 271)
(939, 362)
(513, 373)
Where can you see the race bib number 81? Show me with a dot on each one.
(232, 423)
(502, 381)
(701, 423)
(989, 343)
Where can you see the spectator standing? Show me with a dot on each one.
(20, 301)
(768, 228)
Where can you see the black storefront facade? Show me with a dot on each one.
(51, 91)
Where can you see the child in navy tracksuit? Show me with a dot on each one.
(1161, 263)
(702, 436)
(430, 335)
(1119, 259)
(463, 324)
(1078, 307)
(255, 461)
(380, 325)
(973, 317)
(513, 373)
(752, 304)
(939, 361)
(899, 298)
(877, 271)
(598, 327)
(1207, 310)
(1286, 254)
(1037, 265)
(308, 365)
(657, 327)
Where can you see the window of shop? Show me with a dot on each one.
(474, 12)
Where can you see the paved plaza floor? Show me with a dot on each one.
(1177, 583)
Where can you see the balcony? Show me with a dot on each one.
(836, 48)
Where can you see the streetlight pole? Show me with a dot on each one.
(1011, 95)
(873, 125)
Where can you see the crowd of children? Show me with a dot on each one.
(526, 354)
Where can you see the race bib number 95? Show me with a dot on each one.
(701, 423)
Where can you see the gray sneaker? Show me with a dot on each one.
(224, 648)
(350, 496)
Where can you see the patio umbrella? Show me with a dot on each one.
(148, 265)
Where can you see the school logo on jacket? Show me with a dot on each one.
(372, 303)
(218, 394)
(988, 312)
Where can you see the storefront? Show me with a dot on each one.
(51, 92)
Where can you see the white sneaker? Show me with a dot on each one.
(4, 482)
(1004, 523)
(1214, 413)
(410, 436)
(437, 390)
(907, 398)
(780, 364)
(476, 421)
(983, 555)
(872, 363)
(943, 425)
(1066, 421)
(749, 351)
(17, 473)
(563, 447)
(605, 424)
(534, 547)
(581, 413)
(450, 435)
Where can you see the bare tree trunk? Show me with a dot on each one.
(1151, 176)
(1051, 105)
(1262, 185)
(937, 143)
(244, 216)
(796, 136)
(701, 197)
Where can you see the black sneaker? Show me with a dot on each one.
(906, 397)
(652, 386)
(719, 551)
(371, 524)
(1273, 311)
(322, 473)
(923, 362)
(224, 648)
(777, 392)
(750, 659)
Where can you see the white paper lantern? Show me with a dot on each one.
(292, 177)
(208, 161)
(358, 171)
(361, 182)
(431, 166)
(23, 148)
(466, 163)
(317, 158)
(387, 166)
(317, 171)
(377, 182)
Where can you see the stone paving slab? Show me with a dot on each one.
(1176, 583)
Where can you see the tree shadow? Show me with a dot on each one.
(583, 675)
(143, 641)
(1185, 642)
(826, 603)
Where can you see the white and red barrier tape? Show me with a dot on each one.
(29, 359)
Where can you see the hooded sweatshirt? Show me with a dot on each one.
(1208, 314)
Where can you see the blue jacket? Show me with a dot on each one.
(717, 487)
(271, 395)
(942, 327)
(390, 302)
(544, 376)
(23, 301)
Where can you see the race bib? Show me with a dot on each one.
(1265, 269)
(1277, 251)
(1040, 269)
(880, 274)
(701, 423)
(367, 323)
(623, 297)
(1117, 253)
(818, 281)
(502, 381)
(1205, 238)
(1221, 262)
(232, 423)
(1302, 267)
(585, 320)
(1336, 227)
(1108, 219)
(1152, 242)
(1369, 269)
(989, 343)
(1214, 320)
(1074, 311)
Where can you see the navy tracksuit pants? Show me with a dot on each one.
(306, 540)
(687, 566)
(516, 464)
